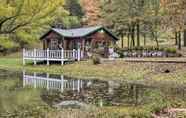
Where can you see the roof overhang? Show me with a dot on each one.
(61, 32)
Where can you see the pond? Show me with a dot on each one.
(23, 90)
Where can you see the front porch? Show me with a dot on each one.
(47, 55)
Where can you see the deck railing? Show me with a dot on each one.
(52, 55)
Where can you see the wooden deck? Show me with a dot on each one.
(52, 55)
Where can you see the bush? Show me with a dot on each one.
(96, 59)
(171, 50)
(120, 52)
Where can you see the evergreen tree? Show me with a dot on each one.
(74, 8)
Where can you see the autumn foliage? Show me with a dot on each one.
(92, 12)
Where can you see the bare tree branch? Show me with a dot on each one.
(6, 19)
(15, 28)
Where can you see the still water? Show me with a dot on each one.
(20, 89)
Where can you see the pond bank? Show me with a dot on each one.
(116, 70)
(174, 60)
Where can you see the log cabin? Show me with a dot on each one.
(71, 44)
(86, 39)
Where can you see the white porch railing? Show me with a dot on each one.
(52, 55)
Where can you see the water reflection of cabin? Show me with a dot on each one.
(87, 39)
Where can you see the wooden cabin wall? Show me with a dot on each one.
(49, 37)
(71, 43)
(102, 37)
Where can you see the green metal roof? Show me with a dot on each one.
(80, 32)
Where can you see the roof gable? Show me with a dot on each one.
(79, 32)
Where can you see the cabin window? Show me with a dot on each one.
(87, 45)
(100, 44)
(79, 45)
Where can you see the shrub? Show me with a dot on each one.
(171, 50)
(96, 59)
(161, 49)
(120, 52)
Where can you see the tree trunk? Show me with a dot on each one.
(128, 36)
(156, 39)
(133, 35)
(179, 40)
(184, 36)
(128, 40)
(157, 43)
(138, 34)
(122, 41)
(144, 36)
(176, 38)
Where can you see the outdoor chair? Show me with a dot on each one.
(129, 54)
(144, 54)
(159, 54)
(154, 54)
(125, 54)
(134, 54)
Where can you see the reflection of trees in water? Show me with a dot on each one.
(100, 91)
(114, 94)
(174, 92)
(132, 94)
(139, 94)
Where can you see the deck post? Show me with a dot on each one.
(62, 56)
(23, 56)
(74, 54)
(79, 55)
(35, 57)
(78, 86)
(81, 84)
(48, 57)
(73, 85)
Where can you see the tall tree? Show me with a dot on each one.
(175, 14)
(74, 18)
(92, 12)
(74, 8)
(126, 13)
(21, 21)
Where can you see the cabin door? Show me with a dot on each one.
(53, 44)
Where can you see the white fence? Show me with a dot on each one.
(52, 83)
(52, 55)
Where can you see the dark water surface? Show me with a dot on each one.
(22, 88)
